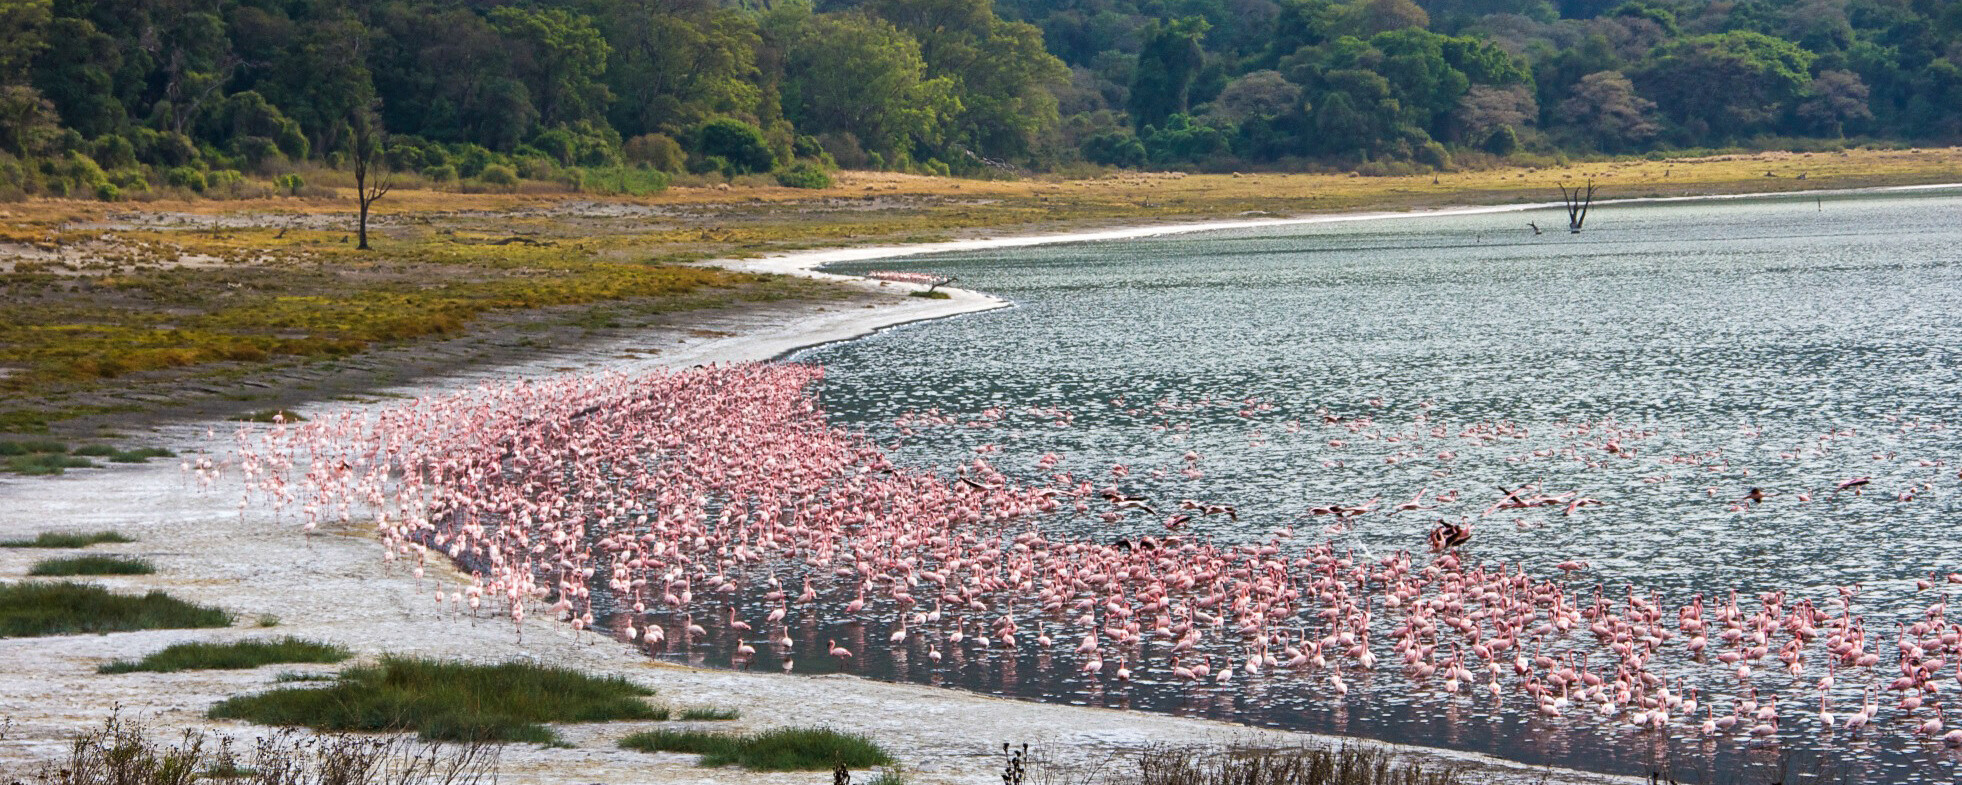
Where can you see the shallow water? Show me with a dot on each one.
(1664, 362)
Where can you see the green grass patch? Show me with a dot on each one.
(291, 677)
(929, 295)
(67, 540)
(91, 565)
(31, 446)
(45, 463)
(783, 749)
(140, 455)
(703, 713)
(237, 655)
(32, 609)
(449, 701)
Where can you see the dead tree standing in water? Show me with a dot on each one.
(1577, 203)
(369, 185)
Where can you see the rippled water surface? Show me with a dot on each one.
(1664, 362)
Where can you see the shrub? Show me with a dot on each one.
(628, 180)
(184, 177)
(1502, 142)
(440, 173)
(237, 655)
(449, 700)
(1433, 155)
(34, 609)
(67, 539)
(740, 144)
(656, 150)
(803, 175)
(227, 180)
(1115, 148)
(114, 151)
(499, 175)
(290, 183)
(91, 565)
(783, 749)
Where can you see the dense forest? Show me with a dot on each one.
(111, 99)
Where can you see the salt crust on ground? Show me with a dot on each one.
(334, 587)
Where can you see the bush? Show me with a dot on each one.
(229, 181)
(449, 701)
(740, 144)
(238, 655)
(34, 609)
(290, 183)
(1502, 142)
(499, 175)
(803, 175)
(91, 565)
(184, 177)
(440, 173)
(626, 180)
(656, 150)
(1433, 155)
(783, 749)
(114, 151)
(1115, 148)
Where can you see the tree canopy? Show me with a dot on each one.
(140, 89)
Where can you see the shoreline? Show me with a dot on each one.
(962, 301)
(333, 587)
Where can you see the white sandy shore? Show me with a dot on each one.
(333, 587)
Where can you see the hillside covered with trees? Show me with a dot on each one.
(113, 99)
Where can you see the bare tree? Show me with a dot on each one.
(372, 177)
(1577, 204)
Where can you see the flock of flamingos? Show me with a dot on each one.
(673, 496)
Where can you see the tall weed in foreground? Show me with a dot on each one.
(126, 752)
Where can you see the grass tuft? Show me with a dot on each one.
(35, 608)
(236, 655)
(45, 463)
(449, 701)
(67, 540)
(783, 749)
(30, 447)
(91, 565)
(704, 713)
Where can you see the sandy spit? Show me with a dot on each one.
(213, 548)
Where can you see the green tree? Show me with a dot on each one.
(860, 75)
(79, 76)
(1004, 78)
(23, 35)
(28, 122)
(1726, 85)
(1171, 57)
(737, 142)
(561, 56)
(676, 63)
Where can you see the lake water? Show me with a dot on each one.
(1664, 362)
